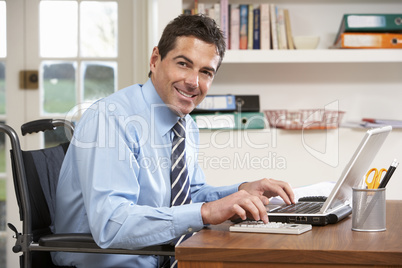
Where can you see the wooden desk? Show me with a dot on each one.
(333, 244)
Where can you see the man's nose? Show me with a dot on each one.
(192, 80)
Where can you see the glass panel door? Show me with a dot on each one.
(77, 47)
(78, 52)
(79, 44)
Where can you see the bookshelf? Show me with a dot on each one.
(364, 83)
(308, 17)
(311, 56)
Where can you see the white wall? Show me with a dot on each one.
(362, 90)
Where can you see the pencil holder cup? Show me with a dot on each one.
(369, 210)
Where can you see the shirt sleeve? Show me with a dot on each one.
(109, 178)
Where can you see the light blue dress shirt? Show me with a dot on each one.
(115, 179)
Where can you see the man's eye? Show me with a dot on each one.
(184, 64)
(208, 73)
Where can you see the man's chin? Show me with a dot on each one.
(181, 111)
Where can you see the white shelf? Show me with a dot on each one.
(313, 56)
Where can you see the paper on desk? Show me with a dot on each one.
(317, 189)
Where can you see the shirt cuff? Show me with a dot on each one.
(187, 218)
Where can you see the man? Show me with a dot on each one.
(116, 178)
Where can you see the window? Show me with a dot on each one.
(78, 51)
(78, 48)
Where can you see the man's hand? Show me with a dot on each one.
(240, 204)
(267, 188)
(249, 201)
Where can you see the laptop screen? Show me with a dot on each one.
(354, 171)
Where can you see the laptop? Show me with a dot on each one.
(337, 205)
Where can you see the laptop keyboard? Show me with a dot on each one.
(301, 207)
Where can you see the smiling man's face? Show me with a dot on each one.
(183, 78)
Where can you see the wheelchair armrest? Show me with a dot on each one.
(68, 240)
(77, 242)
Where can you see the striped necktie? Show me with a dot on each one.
(179, 176)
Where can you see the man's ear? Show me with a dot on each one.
(155, 59)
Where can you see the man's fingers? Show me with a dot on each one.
(239, 211)
(264, 200)
(255, 207)
(281, 188)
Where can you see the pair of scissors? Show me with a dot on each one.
(375, 181)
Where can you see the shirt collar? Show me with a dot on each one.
(161, 116)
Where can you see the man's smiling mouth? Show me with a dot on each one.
(184, 94)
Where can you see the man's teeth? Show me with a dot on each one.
(184, 94)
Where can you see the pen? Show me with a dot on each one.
(389, 173)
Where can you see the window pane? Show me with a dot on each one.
(3, 26)
(2, 88)
(58, 92)
(99, 79)
(98, 28)
(58, 28)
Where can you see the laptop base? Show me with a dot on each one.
(317, 220)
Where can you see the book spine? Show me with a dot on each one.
(371, 40)
(234, 27)
(201, 8)
(217, 14)
(196, 7)
(224, 10)
(373, 22)
(282, 40)
(250, 27)
(289, 35)
(211, 13)
(368, 23)
(243, 26)
(274, 32)
(265, 30)
(256, 29)
(230, 120)
(229, 21)
(187, 11)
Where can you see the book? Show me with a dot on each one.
(265, 27)
(210, 12)
(224, 11)
(370, 23)
(247, 103)
(274, 32)
(217, 14)
(243, 26)
(228, 103)
(250, 23)
(282, 39)
(201, 8)
(229, 18)
(217, 103)
(256, 29)
(289, 35)
(369, 40)
(234, 27)
(196, 7)
(230, 121)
